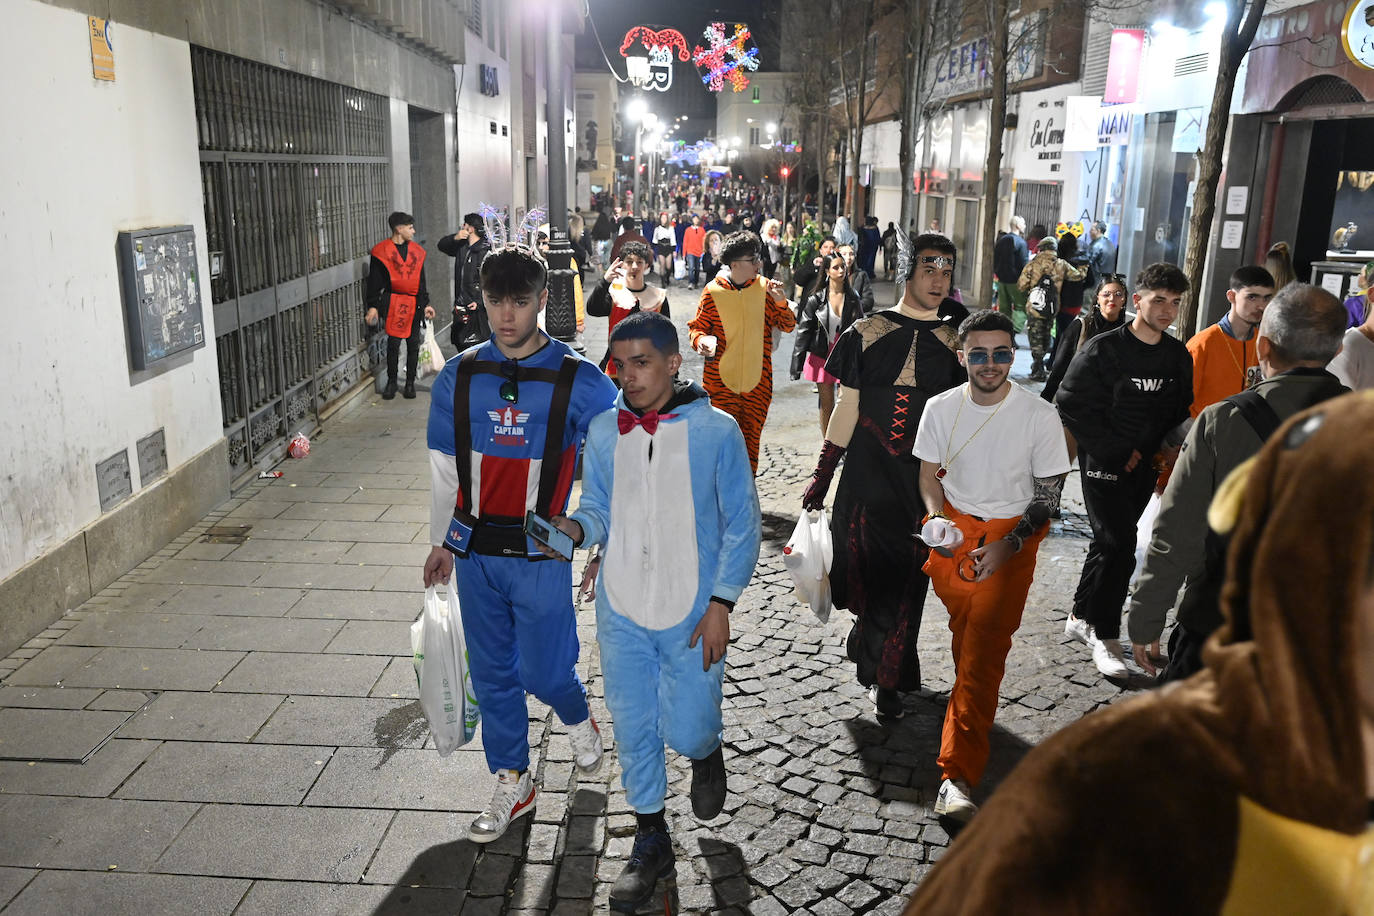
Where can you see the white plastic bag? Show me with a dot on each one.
(808, 556)
(1144, 530)
(679, 269)
(441, 667)
(431, 357)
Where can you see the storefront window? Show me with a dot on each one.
(1156, 228)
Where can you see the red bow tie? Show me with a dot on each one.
(627, 420)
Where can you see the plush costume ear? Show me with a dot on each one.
(1224, 511)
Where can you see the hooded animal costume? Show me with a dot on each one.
(1244, 788)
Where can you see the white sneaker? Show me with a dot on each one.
(954, 802)
(1108, 657)
(586, 745)
(1080, 630)
(514, 797)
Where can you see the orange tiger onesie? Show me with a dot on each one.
(739, 378)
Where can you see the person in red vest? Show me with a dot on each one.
(396, 292)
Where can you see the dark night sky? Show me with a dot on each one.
(613, 18)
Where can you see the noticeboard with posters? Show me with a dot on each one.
(160, 280)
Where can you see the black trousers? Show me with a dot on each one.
(1114, 509)
(393, 354)
(1185, 654)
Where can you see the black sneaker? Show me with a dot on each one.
(409, 390)
(389, 392)
(887, 703)
(650, 860)
(708, 785)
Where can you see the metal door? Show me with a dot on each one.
(296, 182)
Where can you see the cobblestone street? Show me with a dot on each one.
(232, 726)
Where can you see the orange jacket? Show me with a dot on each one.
(1222, 366)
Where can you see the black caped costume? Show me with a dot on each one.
(896, 362)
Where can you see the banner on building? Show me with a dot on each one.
(1081, 117)
(1123, 65)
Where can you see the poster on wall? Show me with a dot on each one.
(1352, 215)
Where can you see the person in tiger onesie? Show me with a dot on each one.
(733, 328)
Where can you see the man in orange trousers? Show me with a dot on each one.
(993, 461)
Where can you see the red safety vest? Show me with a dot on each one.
(405, 284)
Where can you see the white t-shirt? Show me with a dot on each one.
(993, 477)
(1354, 365)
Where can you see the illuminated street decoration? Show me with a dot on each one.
(654, 68)
(725, 58)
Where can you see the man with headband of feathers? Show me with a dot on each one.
(888, 365)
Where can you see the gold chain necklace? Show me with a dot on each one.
(944, 465)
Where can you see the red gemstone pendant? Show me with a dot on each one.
(940, 474)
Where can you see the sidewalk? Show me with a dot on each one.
(231, 727)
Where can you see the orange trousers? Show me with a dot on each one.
(982, 618)
(750, 410)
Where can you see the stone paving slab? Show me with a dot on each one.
(234, 601)
(55, 734)
(414, 514)
(379, 532)
(51, 666)
(322, 575)
(215, 716)
(313, 899)
(70, 893)
(97, 777)
(297, 672)
(48, 697)
(425, 849)
(338, 512)
(359, 605)
(260, 774)
(88, 832)
(271, 550)
(133, 629)
(204, 572)
(347, 721)
(405, 578)
(12, 881)
(266, 634)
(409, 556)
(154, 669)
(282, 529)
(368, 777)
(254, 841)
(121, 700)
(398, 680)
(373, 637)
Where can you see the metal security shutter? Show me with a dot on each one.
(296, 183)
(1096, 51)
(1038, 202)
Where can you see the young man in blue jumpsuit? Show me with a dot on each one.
(505, 426)
(668, 493)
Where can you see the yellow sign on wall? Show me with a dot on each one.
(102, 51)
(1357, 34)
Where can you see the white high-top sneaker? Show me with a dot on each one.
(514, 796)
(586, 745)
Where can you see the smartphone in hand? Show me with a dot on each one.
(544, 532)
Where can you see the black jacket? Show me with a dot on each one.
(863, 288)
(467, 268)
(1067, 349)
(811, 336)
(1009, 256)
(1121, 394)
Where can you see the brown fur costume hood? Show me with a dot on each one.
(1225, 793)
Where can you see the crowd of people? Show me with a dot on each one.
(930, 439)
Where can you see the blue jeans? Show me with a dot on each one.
(693, 268)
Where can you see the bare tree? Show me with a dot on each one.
(862, 83)
(1236, 37)
(918, 37)
(998, 41)
(810, 89)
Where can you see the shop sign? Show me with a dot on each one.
(963, 68)
(1123, 65)
(1357, 34)
(1081, 118)
(1040, 133)
(102, 49)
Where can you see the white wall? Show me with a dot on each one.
(87, 160)
(485, 171)
(882, 153)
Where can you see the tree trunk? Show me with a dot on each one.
(1235, 43)
(992, 167)
(856, 142)
(911, 91)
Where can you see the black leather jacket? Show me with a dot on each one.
(811, 335)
